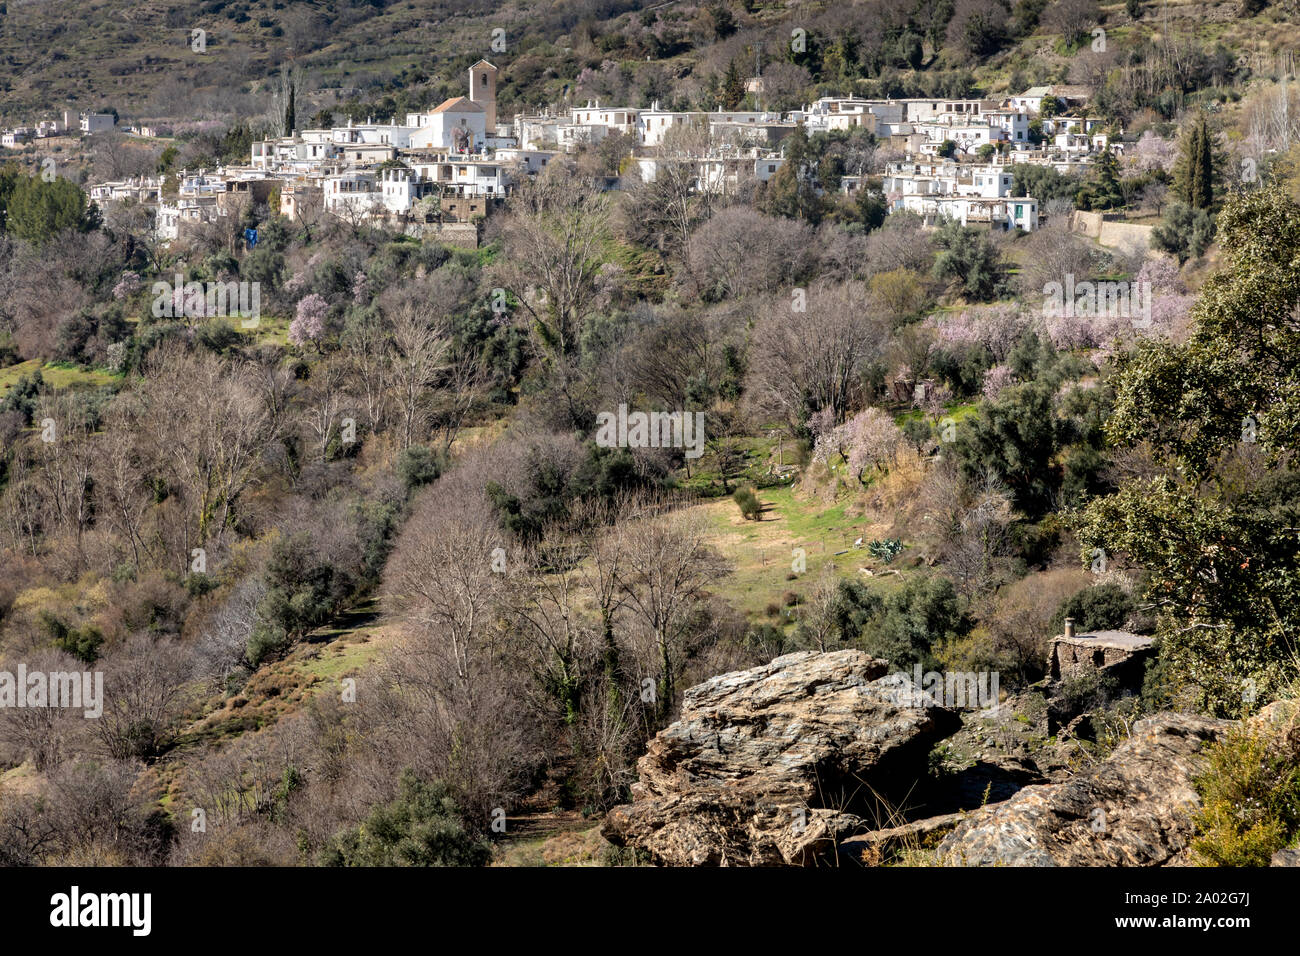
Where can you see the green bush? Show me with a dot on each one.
(1101, 608)
(751, 508)
(417, 466)
(302, 592)
(909, 625)
(420, 827)
(83, 643)
(1185, 232)
(1250, 799)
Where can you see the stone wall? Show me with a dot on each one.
(1128, 237)
(463, 235)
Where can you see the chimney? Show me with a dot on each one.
(1069, 627)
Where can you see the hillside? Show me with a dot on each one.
(377, 56)
(730, 480)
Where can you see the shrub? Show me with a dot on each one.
(1086, 692)
(83, 643)
(199, 584)
(417, 466)
(751, 508)
(1251, 799)
(420, 827)
(907, 626)
(1185, 232)
(302, 592)
(217, 336)
(1100, 608)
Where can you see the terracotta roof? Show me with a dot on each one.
(457, 104)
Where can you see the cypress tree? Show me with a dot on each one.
(1204, 169)
(1194, 173)
(290, 120)
(733, 88)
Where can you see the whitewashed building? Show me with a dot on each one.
(458, 123)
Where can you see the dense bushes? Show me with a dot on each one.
(750, 507)
(1100, 608)
(1250, 796)
(420, 827)
(302, 591)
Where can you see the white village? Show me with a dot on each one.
(438, 173)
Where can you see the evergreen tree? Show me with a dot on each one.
(792, 192)
(1214, 527)
(1105, 191)
(37, 211)
(290, 119)
(1196, 172)
(733, 88)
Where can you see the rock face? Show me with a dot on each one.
(1133, 809)
(774, 765)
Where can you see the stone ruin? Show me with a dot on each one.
(1075, 655)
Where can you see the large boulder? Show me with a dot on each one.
(776, 764)
(1133, 809)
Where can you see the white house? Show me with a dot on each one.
(721, 171)
(300, 153)
(146, 190)
(398, 189)
(968, 136)
(570, 136)
(354, 193)
(462, 176)
(97, 122)
(1007, 213)
(1032, 98)
(619, 119)
(530, 161)
(1013, 123)
(537, 132)
(655, 123)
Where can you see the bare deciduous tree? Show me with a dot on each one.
(804, 361)
(667, 568)
(554, 250)
(420, 349)
(144, 696)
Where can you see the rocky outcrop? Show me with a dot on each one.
(1133, 809)
(775, 765)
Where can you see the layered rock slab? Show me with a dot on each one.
(776, 764)
(1133, 809)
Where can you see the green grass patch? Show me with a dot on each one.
(56, 375)
(763, 556)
